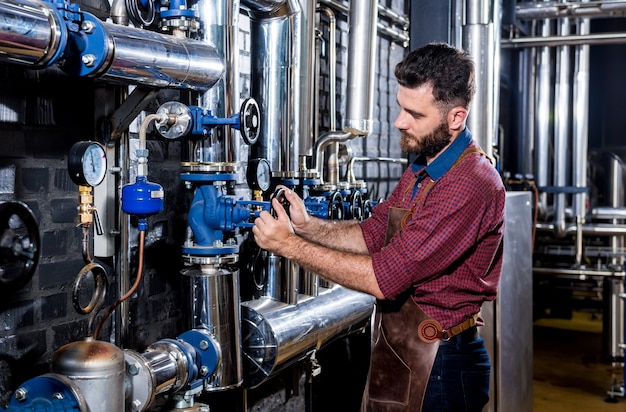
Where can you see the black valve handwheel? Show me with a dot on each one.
(19, 246)
(356, 205)
(250, 121)
(335, 206)
(279, 194)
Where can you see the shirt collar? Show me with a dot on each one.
(445, 160)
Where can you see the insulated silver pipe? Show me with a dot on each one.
(561, 128)
(125, 55)
(159, 60)
(362, 43)
(275, 79)
(581, 121)
(479, 42)
(215, 306)
(277, 334)
(221, 22)
(543, 87)
(31, 33)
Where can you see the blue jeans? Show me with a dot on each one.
(459, 381)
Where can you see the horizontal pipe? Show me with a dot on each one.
(571, 40)
(35, 34)
(553, 9)
(30, 33)
(276, 334)
(597, 229)
(353, 160)
(581, 273)
(160, 60)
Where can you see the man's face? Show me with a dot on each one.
(423, 129)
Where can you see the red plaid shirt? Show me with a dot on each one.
(450, 252)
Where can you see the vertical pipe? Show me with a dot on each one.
(580, 132)
(528, 83)
(477, 29)
(362, 41)
(542, 125)
(275, 81)
(562, 103)
(307, 74)
(221, 22)
(615, 197)
(216, 308)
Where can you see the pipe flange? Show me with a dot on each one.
(180, 120)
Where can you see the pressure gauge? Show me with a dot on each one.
(259, 174)
(87, 163)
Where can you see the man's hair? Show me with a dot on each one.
(449, 71)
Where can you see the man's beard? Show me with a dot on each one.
(427, 145)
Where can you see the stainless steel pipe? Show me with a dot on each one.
(33, 33)
(276, 334)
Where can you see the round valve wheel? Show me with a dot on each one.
(250, 118)
(19, 246)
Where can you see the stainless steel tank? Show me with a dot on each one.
(97, 368)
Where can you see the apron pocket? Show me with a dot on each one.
(391, 381)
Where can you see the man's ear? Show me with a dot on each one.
(457, 117)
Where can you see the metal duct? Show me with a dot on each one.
(33, 33)
(275, 334)
(362, 40)
(275, 79)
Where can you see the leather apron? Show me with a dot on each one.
(401, 361)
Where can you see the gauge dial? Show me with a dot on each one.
(87, 163)
(259, 174)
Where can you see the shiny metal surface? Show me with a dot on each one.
(479, 39)
(275, 333)
(159, 60)
(140, 381)
(508, 330)
(97, 368)
(30, 33)
(275, 82)
(361, 66)
(215, 306)
(221, 20)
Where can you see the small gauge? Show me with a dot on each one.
(259, 174)
(87, 163)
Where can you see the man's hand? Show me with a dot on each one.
(271, 233)
(297, 211)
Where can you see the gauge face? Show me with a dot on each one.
(259, 174)
(87, 163)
